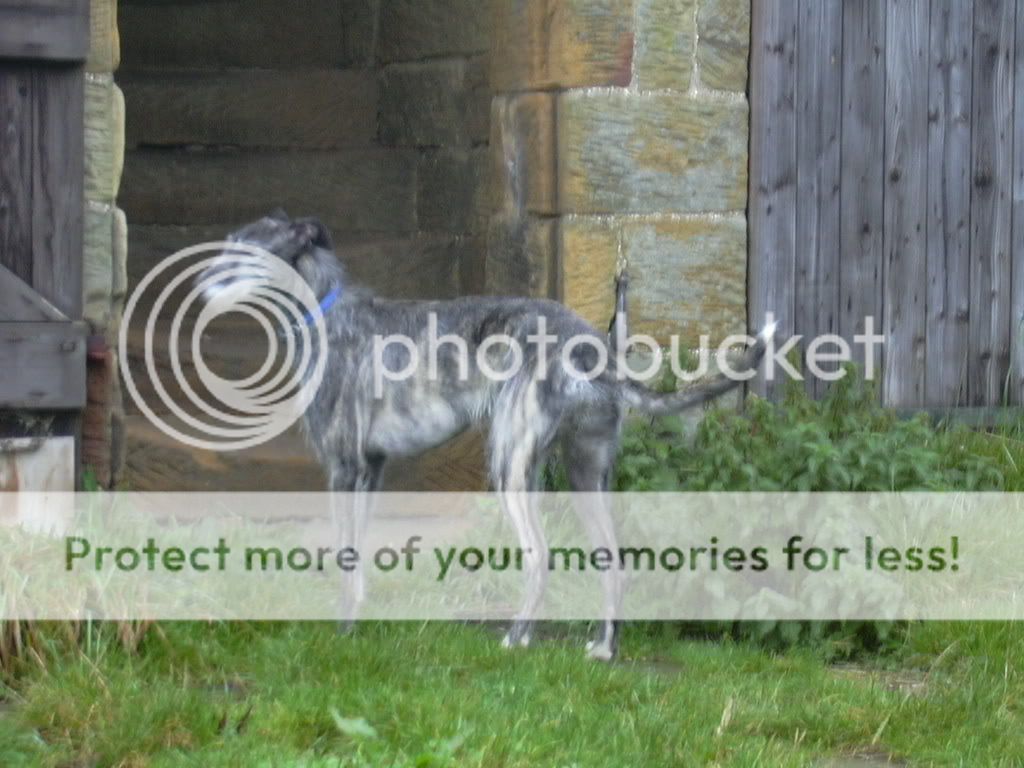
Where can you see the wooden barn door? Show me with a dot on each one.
(887, 179)
(43, 44)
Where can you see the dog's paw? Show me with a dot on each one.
(510, 642)
(345, 627)
(600, 651)
(517, 637)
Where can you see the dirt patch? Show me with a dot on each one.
(871, 757)
(157, 462)
(907, 681)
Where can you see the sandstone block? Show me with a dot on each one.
(589, 253)
(687, 277)
(545, 44)
(118, 274)
(97, 271)
(624, 152)
(419, 267)
(312, 109)
(104, 42)
(723, 51)
(352, 191)
(449, 190)
(521, 256)
(522, 150)
(419, 29)
(664, 44)
(269, 34)
(434, 104)
(104, 137)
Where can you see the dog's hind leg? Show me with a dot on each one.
(589, 445)
(521, 434)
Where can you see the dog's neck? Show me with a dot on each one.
(326, 277)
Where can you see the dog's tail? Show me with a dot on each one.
(619, 325)
(636, 395)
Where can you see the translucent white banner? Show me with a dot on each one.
(456, 556)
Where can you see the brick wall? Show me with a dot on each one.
(371, 114)
(619, 139)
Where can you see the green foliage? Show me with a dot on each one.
(90, 484)
(844, 442)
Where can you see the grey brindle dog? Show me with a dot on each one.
(355, 430)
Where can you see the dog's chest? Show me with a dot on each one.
(413, 427)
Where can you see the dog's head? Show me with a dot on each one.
(303, 244)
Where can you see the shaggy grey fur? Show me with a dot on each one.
(354, 432)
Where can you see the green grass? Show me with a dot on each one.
(442, 694)
(427, 695)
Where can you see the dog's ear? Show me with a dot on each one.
(278, 214)
(314, 232)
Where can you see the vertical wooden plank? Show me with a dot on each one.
(16, 169)
(1017, 251)
(992, 179)
(862, 172)
(906, 139)
(949, 202)
(772, 171)
(819, 120)
(57, 188)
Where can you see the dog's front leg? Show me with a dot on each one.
(352, 486)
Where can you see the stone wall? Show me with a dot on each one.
(105, 247)
(370, 114)
(619, 140)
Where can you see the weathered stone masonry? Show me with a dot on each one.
(372, 114)
(619, 139)
(105, 246)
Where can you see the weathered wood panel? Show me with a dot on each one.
(862, 173)
(773, 169)
(819, 111)
(906, 132)
(49, 30)
(991, 169)
(931, 188)
(43, 45)
(58, 178)
(41, 180)
(19, 301)
(42, 365)
(16, 90)
(1017, 266)
(949, 201)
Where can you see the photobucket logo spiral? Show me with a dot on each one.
(238, 278)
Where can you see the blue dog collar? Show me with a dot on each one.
(326, 303)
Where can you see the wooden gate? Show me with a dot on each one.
(43, 44)
(887, 179)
